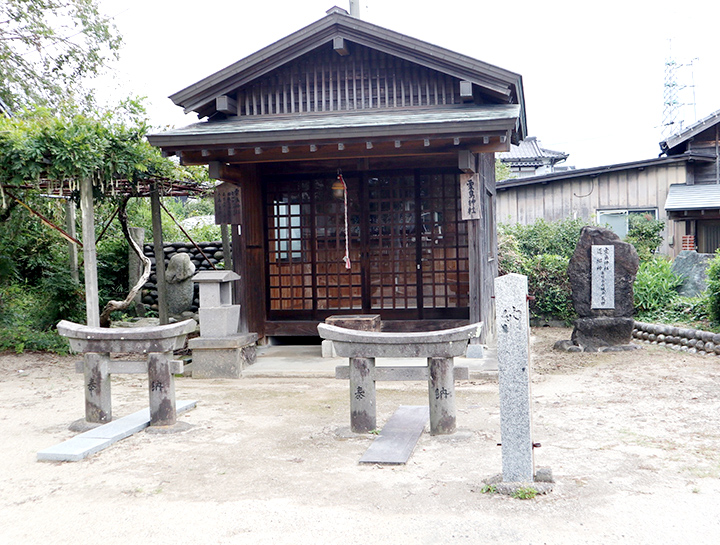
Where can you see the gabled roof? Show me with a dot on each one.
(693, 130)
(501, 85)
(597, 171)
(529, 152)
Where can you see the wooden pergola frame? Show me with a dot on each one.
(152, 188)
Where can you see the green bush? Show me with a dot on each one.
(644, 233)
(510, 259)
(655, 285)
(25, 320)
(549, 283)
(543, 237)
(541, 252)
(712, 293)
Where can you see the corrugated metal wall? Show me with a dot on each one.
(581, 197)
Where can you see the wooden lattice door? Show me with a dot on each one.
(407, 247)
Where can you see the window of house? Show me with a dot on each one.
(619, 220)
(287, 227)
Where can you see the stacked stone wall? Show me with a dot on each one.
(694, 341)
(213, 250)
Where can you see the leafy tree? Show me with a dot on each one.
(60, 149)
(47, 48)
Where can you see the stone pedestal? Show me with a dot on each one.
(220, 351)
(591, 334)
(222, 357)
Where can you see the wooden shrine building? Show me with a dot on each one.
(411, 127)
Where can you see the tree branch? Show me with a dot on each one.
(112, 306)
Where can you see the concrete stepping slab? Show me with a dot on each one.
(92, 441)
(398, 437)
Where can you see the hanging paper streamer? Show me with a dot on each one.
(346, 259)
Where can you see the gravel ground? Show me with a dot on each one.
(633, 440)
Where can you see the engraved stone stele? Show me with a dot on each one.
(579, 271)
(602, 272)
(513, 354)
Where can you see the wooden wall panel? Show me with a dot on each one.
(322, 81)
(581, 197)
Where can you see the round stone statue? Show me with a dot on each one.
(180, 286)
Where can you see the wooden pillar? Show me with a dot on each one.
(72, 231)
(92, 299)
(482, 251)
(248, 251)
(159, 250)
(161, 385)
(441, 393)
(363, 417)
(98, 405)
(486, 163)
(243, 207)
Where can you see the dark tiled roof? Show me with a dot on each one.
(451, 121)
(529, 153)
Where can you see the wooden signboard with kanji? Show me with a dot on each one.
(228, 208)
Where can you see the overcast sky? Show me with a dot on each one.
(593, 72)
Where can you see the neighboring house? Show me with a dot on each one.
(694, 204)
(528, 158)
(406, 124)
(667, 188)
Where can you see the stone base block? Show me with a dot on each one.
(223, 357)
(328, 350)
(219, 321)
(592, 334)
(475, 351)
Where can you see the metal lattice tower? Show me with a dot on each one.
(671, 104)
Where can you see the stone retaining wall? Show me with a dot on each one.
(690, 340)
(213, 250)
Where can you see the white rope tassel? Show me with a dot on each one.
(346, 259)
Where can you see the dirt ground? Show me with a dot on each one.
(633, 440)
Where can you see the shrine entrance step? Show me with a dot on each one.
(398, 438)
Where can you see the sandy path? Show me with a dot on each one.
(633, 441)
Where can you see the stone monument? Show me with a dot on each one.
(221, 351)
(602, 273)
(514, 366)
(180, 286)
(513, 353)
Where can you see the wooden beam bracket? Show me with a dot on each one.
(226, 105)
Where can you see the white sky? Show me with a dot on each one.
(593, 72)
